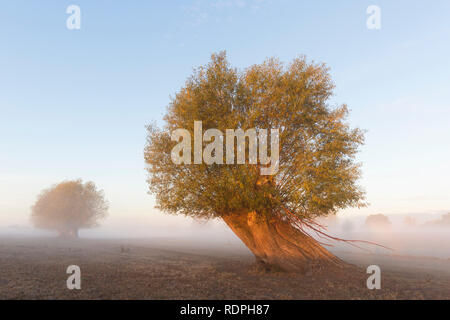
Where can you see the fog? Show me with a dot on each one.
(407, 235)
(420, 239)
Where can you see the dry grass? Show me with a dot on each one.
(36, 269)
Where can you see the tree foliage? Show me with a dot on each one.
(317, 169)
(378, 221)
(69, 206)
(444, 221)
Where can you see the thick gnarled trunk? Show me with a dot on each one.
(276, 244)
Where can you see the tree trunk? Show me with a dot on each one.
(68, 234)
(74, 233)
(277, 245)
(63, 234)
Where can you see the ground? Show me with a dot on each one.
(173, 269)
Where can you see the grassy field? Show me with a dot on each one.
(32, 268)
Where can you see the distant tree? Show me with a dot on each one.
(378, 221)
(410, 221)
(317, 174)
(68, 207)
(444, 221)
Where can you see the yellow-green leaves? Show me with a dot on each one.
(317, 173)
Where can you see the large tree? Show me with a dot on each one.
(271, 214)
(68, 207)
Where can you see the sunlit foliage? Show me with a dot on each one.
(317, 172)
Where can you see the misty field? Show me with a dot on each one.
(32, 268)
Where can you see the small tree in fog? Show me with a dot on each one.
(378, 221)
(68, 207)
(444, 221)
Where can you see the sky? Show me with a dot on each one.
(75, 103)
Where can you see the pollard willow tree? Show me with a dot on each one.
(68, 207)
(272, 214)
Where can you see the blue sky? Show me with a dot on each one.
(74, 103)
